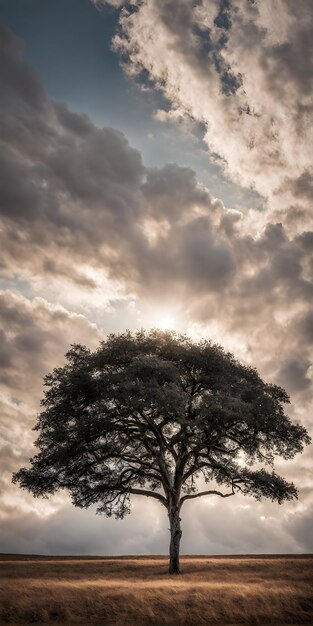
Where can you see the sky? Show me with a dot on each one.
(156, 170)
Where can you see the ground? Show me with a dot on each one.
(138, 590)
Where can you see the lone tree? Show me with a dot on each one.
(147, 414)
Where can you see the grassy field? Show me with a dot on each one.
(136, 591)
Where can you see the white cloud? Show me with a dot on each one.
(242, 69)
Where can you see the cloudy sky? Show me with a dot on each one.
(156, 170)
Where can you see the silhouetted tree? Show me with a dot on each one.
(147, 414)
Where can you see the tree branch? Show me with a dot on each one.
(211, 492)
(149, 494)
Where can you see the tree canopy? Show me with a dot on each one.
(150, 413)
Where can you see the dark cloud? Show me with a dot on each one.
(306, 327)
(65, 531)
(172, 191)
(302, 187)
(292, 60)
(19, 81)
(97, 167)
(35, 336)
(83, 194)
(301, 528)
(21, 196)
(77, 123)
(293, 375)
(208, 263)
(5, 353)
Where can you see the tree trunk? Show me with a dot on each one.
(176, 534)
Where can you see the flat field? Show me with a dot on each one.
(137, 590)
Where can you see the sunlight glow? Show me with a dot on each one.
(166, 322)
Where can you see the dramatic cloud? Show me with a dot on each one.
(85, 224)
(35, 333)
(74, 196)
(34, 337)
(244, 70)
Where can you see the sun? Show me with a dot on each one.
(166, 322)
(163, 317)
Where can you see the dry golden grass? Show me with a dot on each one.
(136, 591)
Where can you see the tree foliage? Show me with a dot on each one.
(148, 414)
